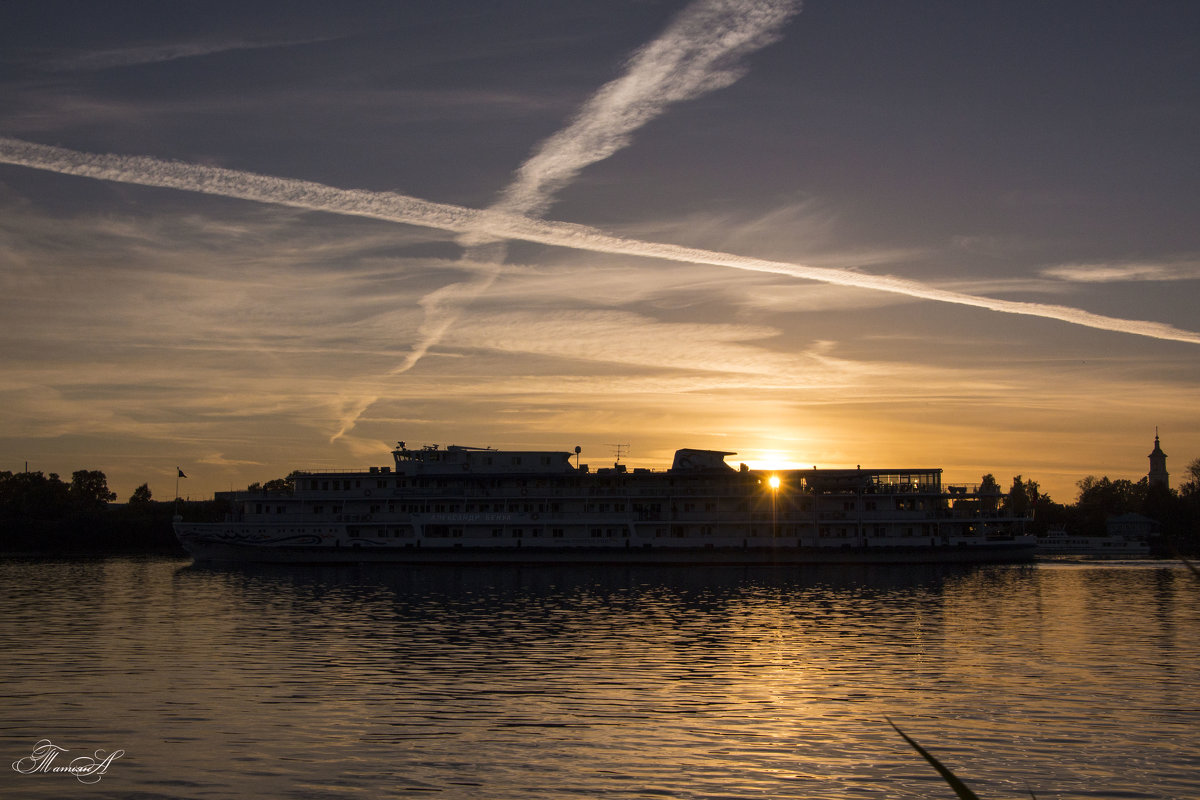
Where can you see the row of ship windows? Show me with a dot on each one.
(554, 508)
(599, 533)
(676, 532)
(901, 504)
(604, 533)
(346, 485)
(497, 533)
(441, 508)
(533, 533)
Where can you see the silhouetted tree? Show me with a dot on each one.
(278, 486)
(1022, 497)
(54, 492)
(282, 485)
(140, 496)
(989, 492)
(1116, 497)
(1191, 483)
(1025, 499)
(1101, 498)
(32, 495)
(89, 489)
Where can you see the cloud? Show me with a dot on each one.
(625, 338)
(1122, 273)
(458, 219)
(157, 53)
(219, 460)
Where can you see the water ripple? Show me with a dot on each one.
(1076, 680)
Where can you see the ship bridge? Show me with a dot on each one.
(688, 460)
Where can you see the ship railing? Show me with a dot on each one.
(969, 490)
(353, 517)
(977, 513)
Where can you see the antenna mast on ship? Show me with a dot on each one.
(618, 448)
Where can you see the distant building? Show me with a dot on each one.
(1132, 526)
(1158, 466)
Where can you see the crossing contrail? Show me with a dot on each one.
(697, 53)
(395, 207)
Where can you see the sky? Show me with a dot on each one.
(246, 238)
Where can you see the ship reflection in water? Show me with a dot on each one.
(539, 682)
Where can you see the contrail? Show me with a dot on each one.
(697, 53)
(394, 207)
(154, 54)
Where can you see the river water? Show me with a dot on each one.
(1067, 680)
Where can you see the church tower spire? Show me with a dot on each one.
(1158, 465)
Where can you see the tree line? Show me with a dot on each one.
(44, 513)
(32, 494)
(1177, 511)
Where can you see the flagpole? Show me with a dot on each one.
(178, 474)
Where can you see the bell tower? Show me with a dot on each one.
(1158, 465)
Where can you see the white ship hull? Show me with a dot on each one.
(204, 546)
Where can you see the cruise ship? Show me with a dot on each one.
(481, 505)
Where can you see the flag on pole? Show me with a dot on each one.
(180, 475)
